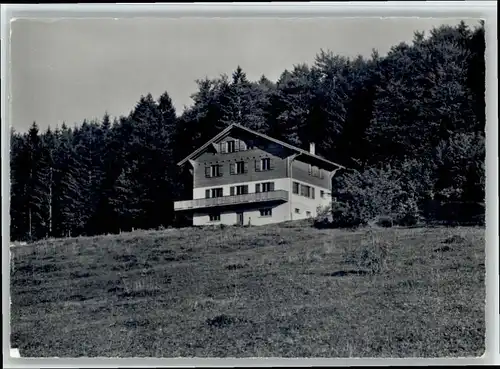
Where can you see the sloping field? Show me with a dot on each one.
(289, 291)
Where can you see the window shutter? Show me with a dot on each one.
(207, 172)
(236, 144)
(231, 191)
(312, 192)
(220, 170)
(245, 167)
(257, 165)
(207, 194)
(231, 168)
(310, 169)
(257, 187)
(243, 145)
(223, 147)
(271, 186)
(245, 189)
(271, 164)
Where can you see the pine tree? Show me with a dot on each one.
(67, 189)
(50, 142)
(113, 146)
(19, 177)
(37, 190)
(286, 113)
(204, 119)
(106, 123)
(168, 188)
(125, 201)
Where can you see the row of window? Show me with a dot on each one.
(303, 190)
(306, 191)
(239, 167)
(239, 145)
(297, 211)
(265, 212)
(239, 190)
(232, 146)
(298, 189)
(315, 171)
(214, 217)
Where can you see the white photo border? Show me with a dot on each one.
(486, 10)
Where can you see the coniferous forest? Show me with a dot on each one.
(408, 126)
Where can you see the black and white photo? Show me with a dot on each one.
(247, 187)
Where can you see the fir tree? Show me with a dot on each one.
(37, 190)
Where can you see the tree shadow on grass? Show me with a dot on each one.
(345, 273)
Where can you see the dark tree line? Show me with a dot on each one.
(409, 127)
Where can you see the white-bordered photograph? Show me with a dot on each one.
(246, 187)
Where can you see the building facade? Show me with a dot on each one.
(244, 177)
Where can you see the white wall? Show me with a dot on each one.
(280, 212)
(305, 204)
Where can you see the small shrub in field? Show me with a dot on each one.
(234, 266)
(370, 255)
(348, 214)
(323, 217)
(407, 213)
(455, 239)
(385, 221)
(221, 320)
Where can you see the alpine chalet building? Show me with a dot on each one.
(244, 177)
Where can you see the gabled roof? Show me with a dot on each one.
(226, 131)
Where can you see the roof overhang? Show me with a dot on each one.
(225, 132)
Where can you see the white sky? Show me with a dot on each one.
(71, 69)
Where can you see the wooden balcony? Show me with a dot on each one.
(259, 197)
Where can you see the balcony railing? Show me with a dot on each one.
(259, 197)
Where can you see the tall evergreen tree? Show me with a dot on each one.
(291, 105)
(67, 190)
(125, 199)
(50, 146)
(19, 177)
(168, 188)
(37, 190)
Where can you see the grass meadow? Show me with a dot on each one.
(284, 290)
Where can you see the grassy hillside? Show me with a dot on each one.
(285, 290)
